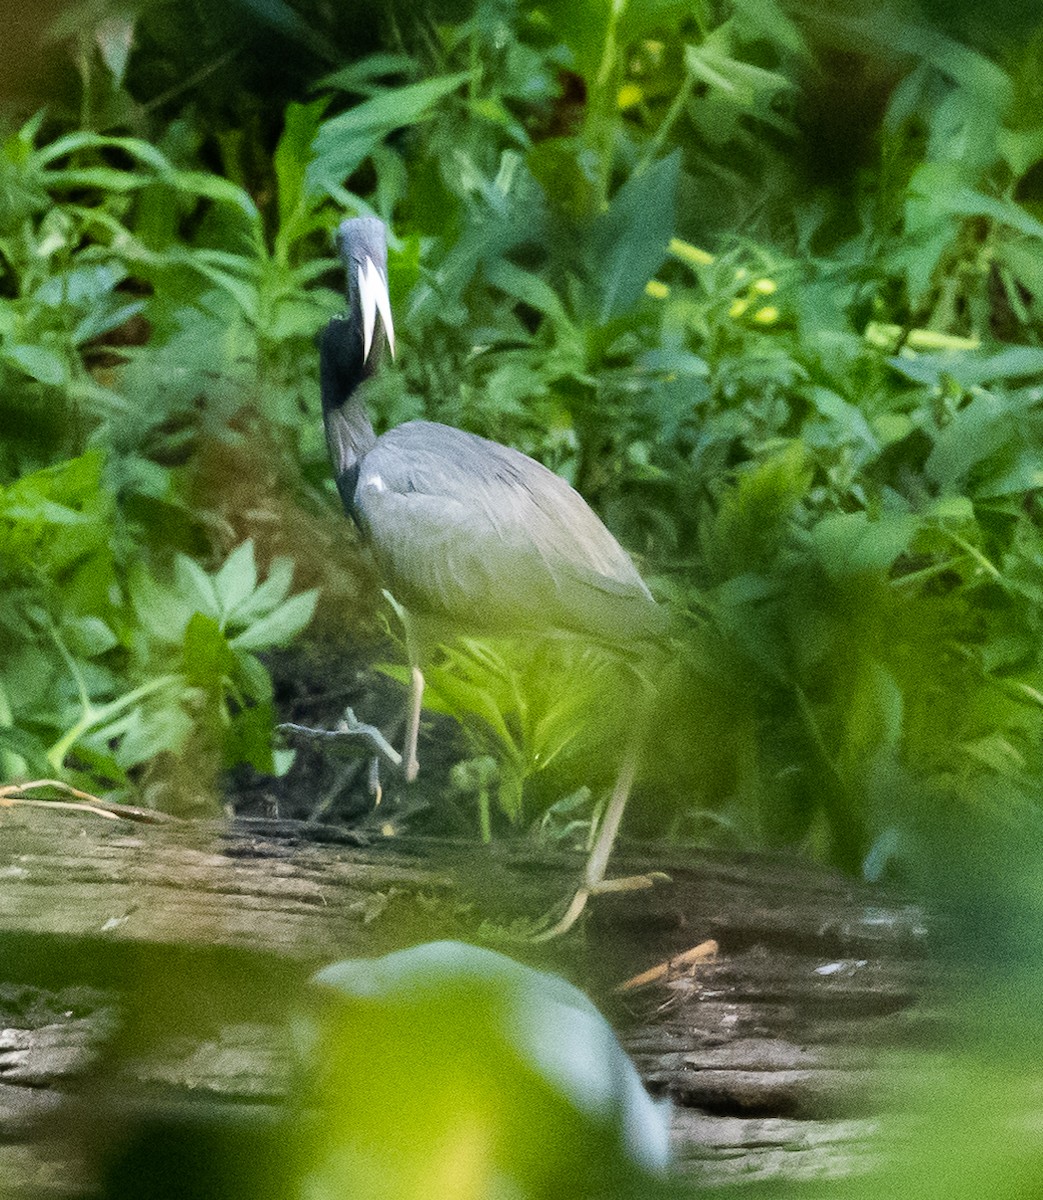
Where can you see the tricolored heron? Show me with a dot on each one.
(470, 536)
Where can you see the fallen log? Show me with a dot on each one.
(168, 956)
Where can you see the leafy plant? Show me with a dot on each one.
(206, 630)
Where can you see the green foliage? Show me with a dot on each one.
(821, 440)
(543, 713)
(106, 668)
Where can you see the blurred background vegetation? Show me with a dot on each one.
(763, 279)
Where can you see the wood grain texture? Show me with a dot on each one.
(770, 1051)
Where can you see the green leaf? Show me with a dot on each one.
(250, 738)
(629, 243)
(105, 179)
(530, 289)
(291, 158)
(280, 625)
(162, 612)
(104, 318)
(206, 655)
(81, 286)
(87, 636)
(463, 699)
(360, 76)
(274, 589)
(977, 431)
(851, 544)
(38, 362)
(253, 677)
(196, 587)
(213, 187)
(85, 140)
(146, 732)
(343, 142)
(236, 579)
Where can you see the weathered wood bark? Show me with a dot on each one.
(769, 1051)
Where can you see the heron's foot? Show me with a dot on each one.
(572, 915)
(350, 726)
(631, 883)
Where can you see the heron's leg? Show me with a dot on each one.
(597, 863)
(594, 881)
(416, 696)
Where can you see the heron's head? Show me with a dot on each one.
(362, 243)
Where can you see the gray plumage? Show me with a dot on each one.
(464, 528)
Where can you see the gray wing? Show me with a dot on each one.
(466, 528)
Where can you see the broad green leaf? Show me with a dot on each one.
(977, 431)
(530, 289)
(629, 242)
(38, 362)
(851, 543)
(196, 587)
(80, 286)
(280, 625)
(249, 739)
(343, 142)
(583, 26)
(206, 655)
(252, 676)
(236, 579)
(88, 636)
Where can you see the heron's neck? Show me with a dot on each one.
(349, 431)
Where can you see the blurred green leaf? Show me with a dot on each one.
(343, 142)
(628, 243)
(277, 627)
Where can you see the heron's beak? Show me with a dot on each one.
(373, 294)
